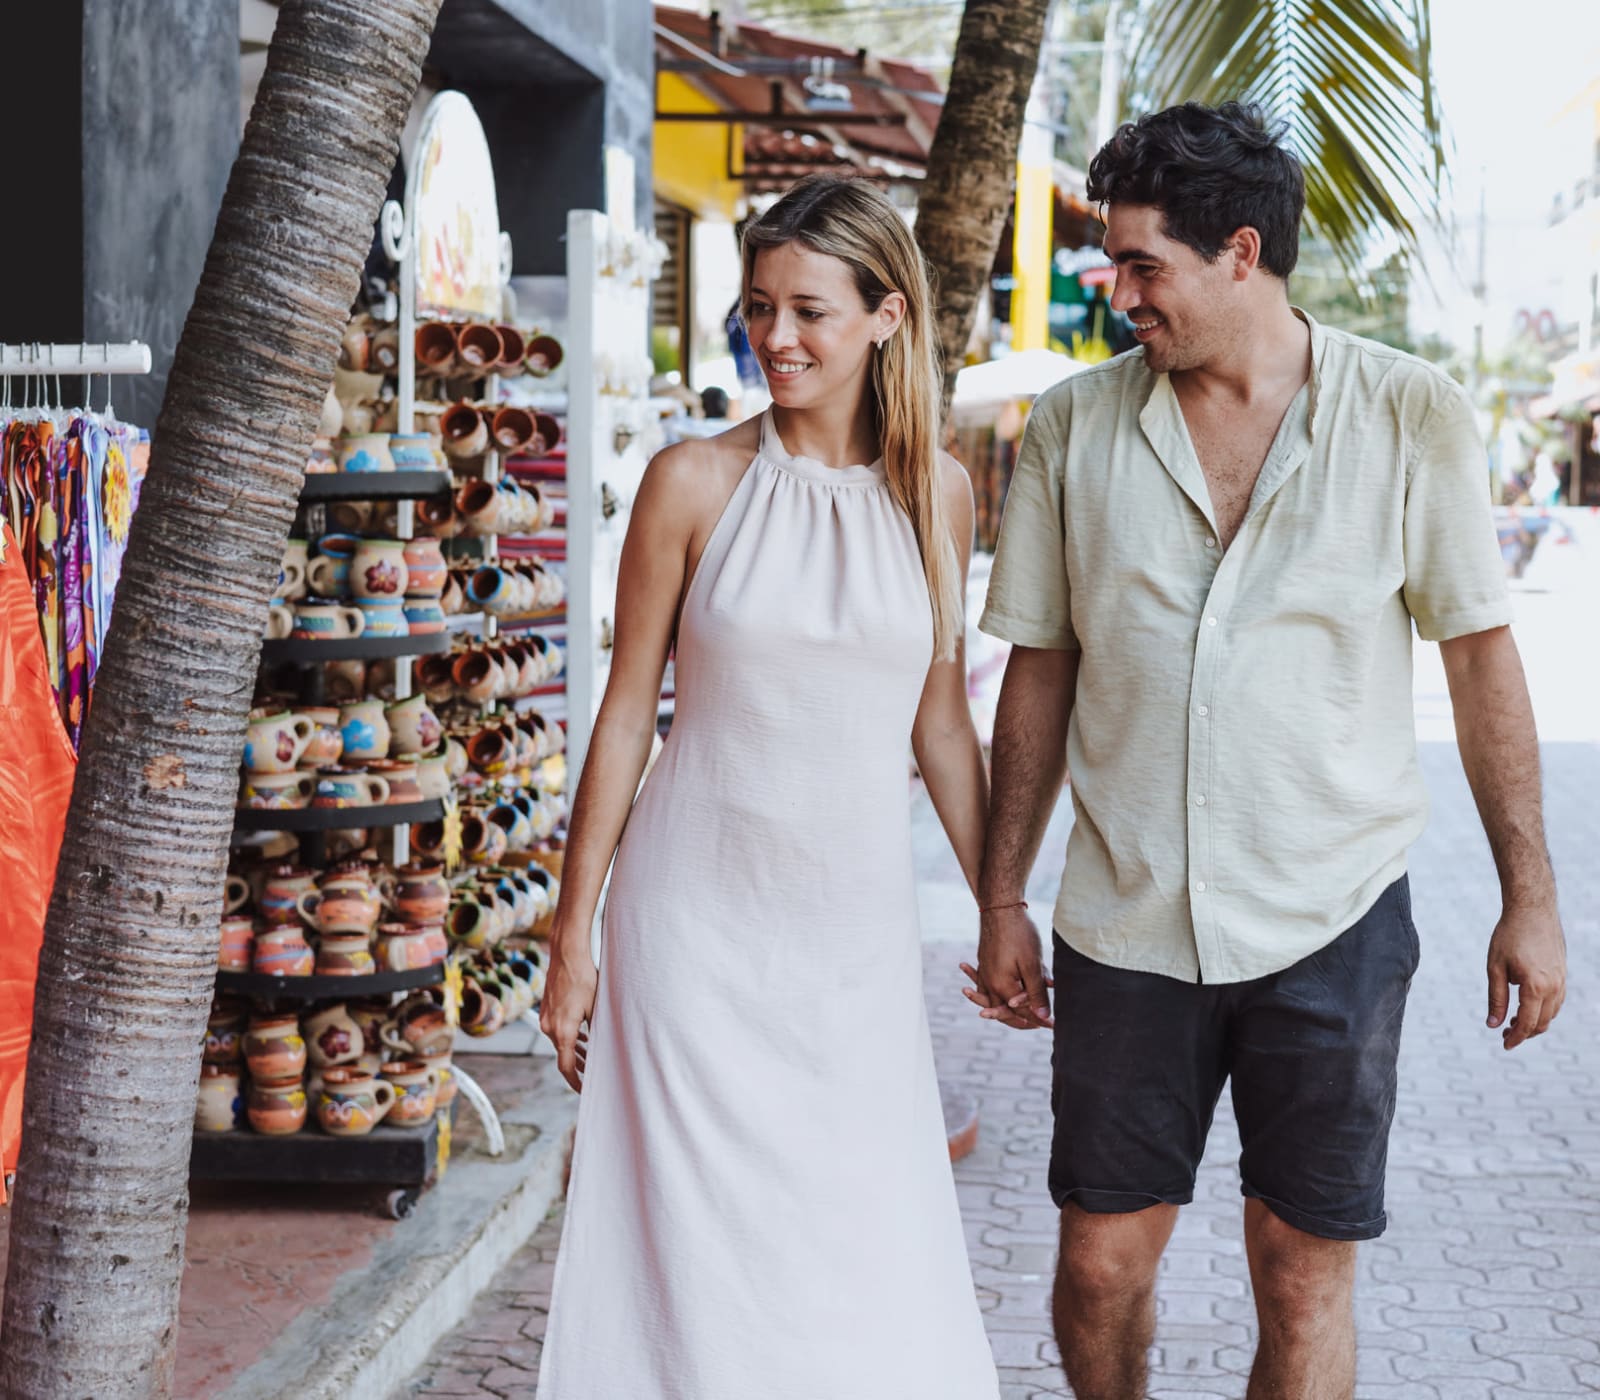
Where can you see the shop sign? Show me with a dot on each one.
(455, 220)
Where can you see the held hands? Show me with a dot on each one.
(1010, 981)
(568, 1004)
(1528, 950)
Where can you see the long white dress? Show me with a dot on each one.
(761, 1204)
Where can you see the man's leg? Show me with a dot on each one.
(1104, 1306)
(1304, 1287)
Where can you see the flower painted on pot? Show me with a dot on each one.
(361, 461)
(383, 577)
(335, 1043)
(358, 736)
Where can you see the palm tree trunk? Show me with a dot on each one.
(130, 948)
(972, 163)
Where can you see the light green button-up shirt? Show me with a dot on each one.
(1242, 749)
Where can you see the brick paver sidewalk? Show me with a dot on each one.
(1487, 1284)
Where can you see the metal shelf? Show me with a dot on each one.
(308, 651)
(336, 818)
(320, 988)
(388, 1155)
(373, 486)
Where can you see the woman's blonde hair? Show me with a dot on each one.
(853, 221)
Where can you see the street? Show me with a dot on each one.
(1487, 1283)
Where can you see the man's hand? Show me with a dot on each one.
(1528, 950)
(1010, 978)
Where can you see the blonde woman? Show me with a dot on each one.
(761, 1204)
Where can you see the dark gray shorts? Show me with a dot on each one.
(1140, 1061)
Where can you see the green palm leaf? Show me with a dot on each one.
(1352, 79)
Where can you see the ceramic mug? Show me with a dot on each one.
(402, 948)
(280, 620)
(277, 792)
(237, 944)
(236, 893)
(482, 1012)
(433, 777)
(491, 751)
(282, 951)
(401, 774)
(378, 570)
(224, 1027)
(413, 452)
(344, 955)
(352, 1103)
(364, 730)
(513, 346)
(327, 744)
(317, 619)
(477, 676)
(292, 574)
(425, 567)
(413, 727)
(332, 1036)
(479, 503)
(217, 1105)
(420, 1028)
(274, 1047)
(435, 675)
(416, 1085)
(385, 617)
(274, 743)
(543, 355)
(435, 347)
(365, 452)
(418, 892)
(340, 913)
(279, 890)
(463, 431)
(277, 1107)
(349, 787)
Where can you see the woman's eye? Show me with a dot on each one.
(812, 315)
(758, 308)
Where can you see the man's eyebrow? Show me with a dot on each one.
(1129, 255)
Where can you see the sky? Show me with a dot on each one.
(1505, 72)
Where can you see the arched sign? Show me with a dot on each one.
(453, 216)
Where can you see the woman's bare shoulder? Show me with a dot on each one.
(697, 474)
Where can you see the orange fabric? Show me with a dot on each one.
(36, 769)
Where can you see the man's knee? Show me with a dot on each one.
(1300, 1279)
(1107, 1260)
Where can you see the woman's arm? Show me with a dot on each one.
(943, 738)
(650, 582)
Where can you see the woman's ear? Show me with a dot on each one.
(891, 312)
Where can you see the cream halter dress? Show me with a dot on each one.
(761, 1205)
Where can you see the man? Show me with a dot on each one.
(1213, 553)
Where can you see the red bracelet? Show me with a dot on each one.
(996, 908)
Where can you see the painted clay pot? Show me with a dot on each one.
(402, 948)
(479, 348)
(217, 1106)
(477, 676)
(491, 751)
(425, 568)
(482, 1012)
(433, 776)
(224, 1027)
(413, 452)
(435, 347)
(365, 731)
(401, 775)
(281, 888)
(340, 913)
(351, 1103)
(424, 617)
(427, 840)
(420, 1029)
(327, 744)
(238, 944)
(282, 951)
(512, 428)
(416, 1086)
(277, 1107)
(274, 743)
(543, 355)
(332, 1036)
(384, 617)
(463, 431)
(274, 1047)
(320, 620)
(350, 787)
(513, 347)
(418, 892)
(413, 726)
(439, 518)
(344, 955)
(365, 452)
(370, 1014)
(378, 570)
(277, 792)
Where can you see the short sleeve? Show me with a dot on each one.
(1029, 601)
(1455, 578)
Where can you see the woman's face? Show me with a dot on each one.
(808, 326)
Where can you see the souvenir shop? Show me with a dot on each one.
(430, 667)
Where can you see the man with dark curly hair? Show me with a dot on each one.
(1214, 551)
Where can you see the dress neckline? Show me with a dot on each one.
(809, 468)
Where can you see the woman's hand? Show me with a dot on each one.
(567, 1006)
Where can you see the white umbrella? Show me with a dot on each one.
(1023, 375)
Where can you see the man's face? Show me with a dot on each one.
(1180, 305)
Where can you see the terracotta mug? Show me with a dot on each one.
(479, 348)
(384, 357)
(413, 727)
(340, 913)
(482, 1012)
(345, 955)
(416, 1085)
(365, 730)
(218, 1104)
(476, 675)
(274, 1047)
(513, 347)
(402, 948)
(491, 752)
(332, 1036)
(224, 1027)
(512, 429)
(280, 891)
(401, 775)
(463, 431)
(350, 787)
(435, 347)
(277, 792)
(365, 452)
(419, 892)
(238, 944)
(543, 355)
(277, 1107)
(425, 568)
(274, 743)
(378, 570)
(420, 1028)
(327, 744)
(438, 516)
(435, 674)
(427, 839)
(236, 893)
(317, 619)
(352, 1103)
(433, 777)
(282, 951)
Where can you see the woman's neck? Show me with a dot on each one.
(828, 435)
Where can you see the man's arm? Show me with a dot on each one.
(1500, 752)
(1029, 763)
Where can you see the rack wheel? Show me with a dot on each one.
(401, 1203)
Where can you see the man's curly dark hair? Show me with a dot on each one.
(1211, 171)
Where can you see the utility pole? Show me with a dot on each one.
(1105, 121)
(1480, 285)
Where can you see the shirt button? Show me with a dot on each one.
(1211, 622)
(1200, 801)
(1199, 886)
(1203, 711)
(1211, 542)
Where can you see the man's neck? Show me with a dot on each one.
(1274, 356)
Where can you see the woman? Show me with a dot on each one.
(761, 1204)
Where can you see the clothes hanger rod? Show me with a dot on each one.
(129, 357)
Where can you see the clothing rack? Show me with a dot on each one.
(36, 360)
